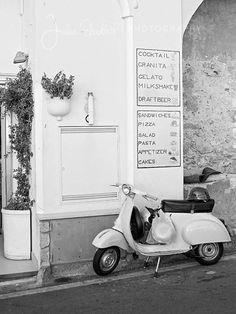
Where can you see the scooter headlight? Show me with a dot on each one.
(126, 189)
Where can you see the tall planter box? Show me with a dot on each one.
(16, 234)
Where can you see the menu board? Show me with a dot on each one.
(158, 139)
(158, 79)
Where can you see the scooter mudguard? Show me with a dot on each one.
(111, 237)
(205, 231)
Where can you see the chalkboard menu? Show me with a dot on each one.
(158, 80)
(158, 139)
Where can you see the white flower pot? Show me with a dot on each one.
(59, 107)
(16, 234)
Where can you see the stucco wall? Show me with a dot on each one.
(209, 70)
(159, 27)
(86, 42)
(11, 33)
(224, 194)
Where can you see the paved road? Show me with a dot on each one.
(196, 290)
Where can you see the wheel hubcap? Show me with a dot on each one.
(209, 251)
(108, 260)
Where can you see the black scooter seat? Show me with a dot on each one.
(188, 206)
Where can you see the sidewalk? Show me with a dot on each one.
(132, 268)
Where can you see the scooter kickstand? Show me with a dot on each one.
(156, 271)
(146, 263)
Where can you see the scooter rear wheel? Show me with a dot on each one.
(209, 253)
(105, 260)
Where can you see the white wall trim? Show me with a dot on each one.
(76, 214)
(5, 76)
(189, 7)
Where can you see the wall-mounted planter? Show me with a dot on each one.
(59, 107)
(16, 234)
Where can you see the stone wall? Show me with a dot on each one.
(209, 84)
(45, 229)
(224, 193)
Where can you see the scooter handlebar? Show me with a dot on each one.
(154, 198)
(145, 195)
(136, 191)
(117, 185)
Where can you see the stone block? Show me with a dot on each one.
(234, 132)
(44, 240)
(45, 257)
(233, 166)
(44, 226)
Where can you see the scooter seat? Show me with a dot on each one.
(188, 206)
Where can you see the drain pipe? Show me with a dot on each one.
(127, 15)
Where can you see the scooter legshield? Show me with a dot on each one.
(111, 237)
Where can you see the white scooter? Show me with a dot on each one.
(172, 227)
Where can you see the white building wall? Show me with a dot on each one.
(85, 40)
(158, 27)
(11, 34)
(189, 7)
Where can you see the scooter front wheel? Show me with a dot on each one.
(105, 260)
(209, 253)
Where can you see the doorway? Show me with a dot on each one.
(9, 269)
(5, 158)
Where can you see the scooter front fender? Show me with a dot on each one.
(111, 237)
(205, 231)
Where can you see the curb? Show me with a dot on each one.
(103, 280)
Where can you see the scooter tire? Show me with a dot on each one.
(106, 260)
(209, 253)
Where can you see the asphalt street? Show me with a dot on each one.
(195, 290)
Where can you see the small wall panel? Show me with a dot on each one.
(71, 239)
(89, 163)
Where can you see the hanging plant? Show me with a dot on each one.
(60, 86)
(60, 90)
(17, 99)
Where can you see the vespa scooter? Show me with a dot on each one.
(172, 227)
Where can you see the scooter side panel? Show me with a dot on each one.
(110, 237)
(205, 231)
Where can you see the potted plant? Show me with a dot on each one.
(60, 89)
(17, 100)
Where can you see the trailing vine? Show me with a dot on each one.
(17, 99)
